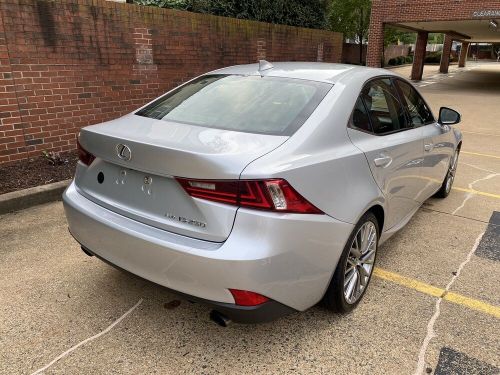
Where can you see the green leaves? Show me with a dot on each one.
(303, 13)
(350, 17)
(393, 36)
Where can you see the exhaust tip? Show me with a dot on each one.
(219, 318)
(87, 251)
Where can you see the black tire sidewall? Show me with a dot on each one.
(442, 193)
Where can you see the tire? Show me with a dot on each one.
(336, 297)
(447, 184)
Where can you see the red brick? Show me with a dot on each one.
(60, 88)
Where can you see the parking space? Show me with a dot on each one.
(433, 305)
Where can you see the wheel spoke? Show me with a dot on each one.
(363, 275)
(371, 240)
(348, 270)
(351, 263)
(366, 236)
(368, 257)
(351, 286)
(349, 277)
(358, 285)
(355, 248)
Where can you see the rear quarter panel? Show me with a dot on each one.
(322, 164)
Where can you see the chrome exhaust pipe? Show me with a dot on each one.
(219, 318)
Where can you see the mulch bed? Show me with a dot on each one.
(37, 171)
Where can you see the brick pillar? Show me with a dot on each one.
(418, 60)
(463, 54)
(445, 56)
(12, 141)
(319, 56)
(261, 49)
(375, 48)
(144, 66)
(143, 43)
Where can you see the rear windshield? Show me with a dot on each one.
(265, 105)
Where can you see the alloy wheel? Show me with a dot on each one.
(360, 261)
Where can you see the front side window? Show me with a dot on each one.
(254, 104)
(420, 114)
(386, 112)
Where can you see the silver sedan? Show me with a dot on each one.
(262, 189)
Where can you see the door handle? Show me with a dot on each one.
(428, 147)
(382, 161)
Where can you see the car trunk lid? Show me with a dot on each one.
(140, 182)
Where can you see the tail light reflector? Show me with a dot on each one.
(83, 155)
(246, 298)
(271, 195)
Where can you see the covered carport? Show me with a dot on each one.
(464, 21)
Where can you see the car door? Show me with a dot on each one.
(437, 149)
(380, 128)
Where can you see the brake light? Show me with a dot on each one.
(271, 195)
(246, 298)
(83, 155)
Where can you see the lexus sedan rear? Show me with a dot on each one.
(259, 189)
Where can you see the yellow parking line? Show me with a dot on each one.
(478, 154)
(473, 304)
(438, 292)
(409, 283)
(477, 192)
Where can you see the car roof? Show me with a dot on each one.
(312, 71)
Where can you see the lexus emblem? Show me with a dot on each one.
(123, 152)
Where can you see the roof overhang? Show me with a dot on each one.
(474, 30)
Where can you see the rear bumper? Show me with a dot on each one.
(266, 312)
(288, 258)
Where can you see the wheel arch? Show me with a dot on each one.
(379, 213)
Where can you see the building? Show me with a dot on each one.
(464, 21)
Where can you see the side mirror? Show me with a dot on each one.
(448, 116)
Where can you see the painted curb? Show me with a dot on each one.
(22, 199)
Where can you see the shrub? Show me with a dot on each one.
(401, 60)
(433, 58)
(392, 61)
(409, 59)
(54, 158)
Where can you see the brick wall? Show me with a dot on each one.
(65, 64)
(350, 53)
(397, 11)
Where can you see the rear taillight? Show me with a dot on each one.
(246, 298)
(271, 195)
(85, 157)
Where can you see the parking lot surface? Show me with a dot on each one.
(432, 306)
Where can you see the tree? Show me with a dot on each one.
(352, 18)
(303, 13)
(436, 38)
(393, 36)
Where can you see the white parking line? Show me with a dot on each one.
(471, 187)
(430, 326)
(39, 371)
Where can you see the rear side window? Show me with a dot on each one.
(419, 113)
(254, 104)
(386, 112)
(360, 119)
